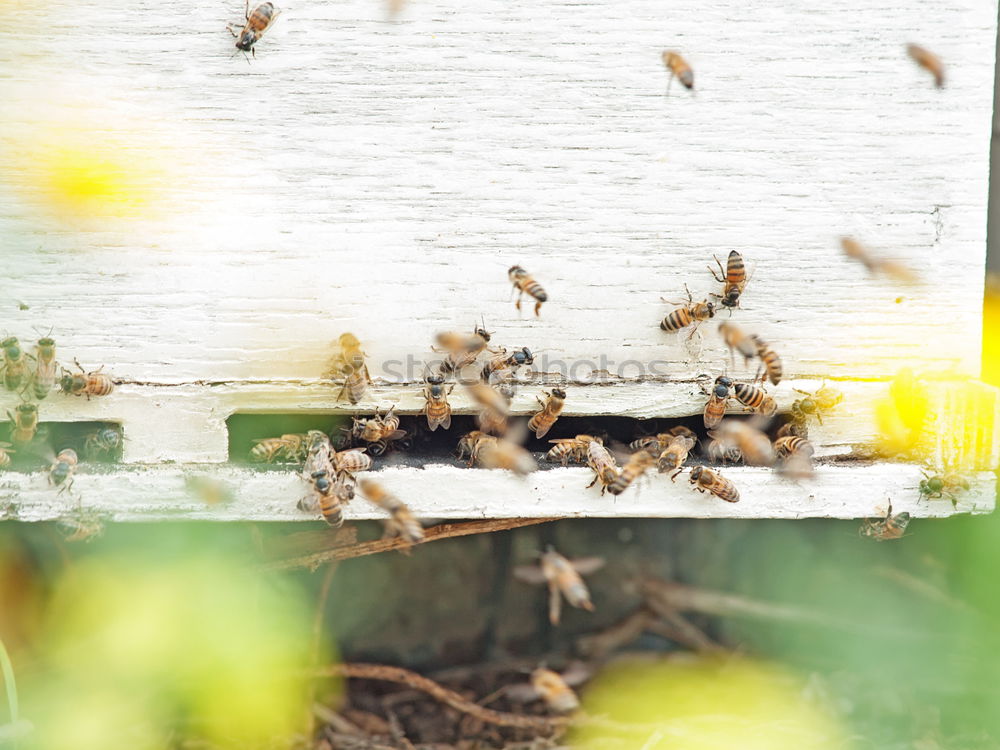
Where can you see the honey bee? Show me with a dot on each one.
(210, 490)
(795, 455)
(815, 404)
(564, 577)
(267, 450)
(525, 284)
(690, 313)
(103, 441)
(720, 451)
(401, 521)
(25, 419)
(328, 497)
(948, 485)
(887, 527)
(573, 449)
(505, 454)
(462, 349)
(706, 480)
(554, 690)
(770, 361)
(715, 408)
(348, 363)
(677, 66)
(899, 271)
(504, 366)
(15, 364)
(543, 420)
(734, 277)
(351, 461)
(928, 61)
(379, 431)
(637, 465)
(5, 451)
(43, 379)
(257, 22)
(603, 463)
(472, 443)
(737, 340)
(319, 453)
(94, 383)
(672, 458)
(753, 444)
(81, 527)
(436, 405)
(62, 469)
(492, 416)
(755, 398)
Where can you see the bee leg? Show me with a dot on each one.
(670, 79)
(246, 9)
(593, 483)
(718, 278)
(517, 304)
(538, 307)
(673, 477)
(230, 27)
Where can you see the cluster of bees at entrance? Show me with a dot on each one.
(33, 375)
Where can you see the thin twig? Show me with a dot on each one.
(679, 629)
(443, 694)
(441, 531)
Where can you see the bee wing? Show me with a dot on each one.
(587, 565)
(576, 673)
(396, 435)
(445, 421)
(522, 693)
(529, 574)
(555, 604)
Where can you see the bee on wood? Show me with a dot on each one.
(566, 450)
(94, 383)
(948, 485)
(328, 497)
(893, 268)
(436, 405)
(770, 361)
(755, 399)
(734, 277)
(504, 454)
(887, 527)
(462, 349)
(525, 284)
(603, 463)
(706, 480)
(43, 379)
(25, 419)
(689, 313)
(15, 364)
(401, 521)
(268, 450)
(348, 363)
(62, 469)
(637, 465)
(351, 461)
(494, 408)
(379, 431)
(715, 408)
(5, 451)
(257, 22)
(563, 577)
(104, 441)
(815, 404)
(552, 406)
(795, 456)
(928, 61)
(677, 66)
(753, 444)
(471, 443)
(672, 458)
(738, 340)
(720, 451)
(319, 453)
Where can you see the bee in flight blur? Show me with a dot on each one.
(506, 454)
(564, 577)
(401, 521)
(734, 278)
(93, 383)
(754, 445)
(738, 340)
(15, 364)
(928, 61)
(552, 687)
(637, 465)
(348, 362)
(771, 367)
(893, 268)
(689, 313)
(257, 22)
(552, 406)
(677, 66)
(462, 349)
(706, 480)
(887, 527)
(472, 443)
(794, 456)
(525, 284)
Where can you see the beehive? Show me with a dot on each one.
(204, 226)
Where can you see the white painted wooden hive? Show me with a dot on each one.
(205, 227)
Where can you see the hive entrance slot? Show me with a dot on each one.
(94, 442)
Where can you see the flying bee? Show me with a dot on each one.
(257, 22)
(5, 451)
(563, 577)
(351, 461)
(505, 454)
(815, 404)
(104, 441)
(753, 444)
(543, 420)
(568, 450)
(770, 361)
(210, 490)
(62, 469)
(706, 480)
(25, 419)
(734, 277)
(720, 451)
(549, 686)
(737, 340)
(94, 383)
(795, 456)
(15, 364)
(43, 379)
(603, 463)
(690, 313)
(462, 349)
(928, 61)
(677, 66)
(472, 443)
(525, 284)
(401, 521)
(436, 405)
(492, 416)
(949, 485)
(887, 527)
(893, 268)
(755, 398)
(715, 408)
(794, 428)
(637, 465)
(672, 458)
